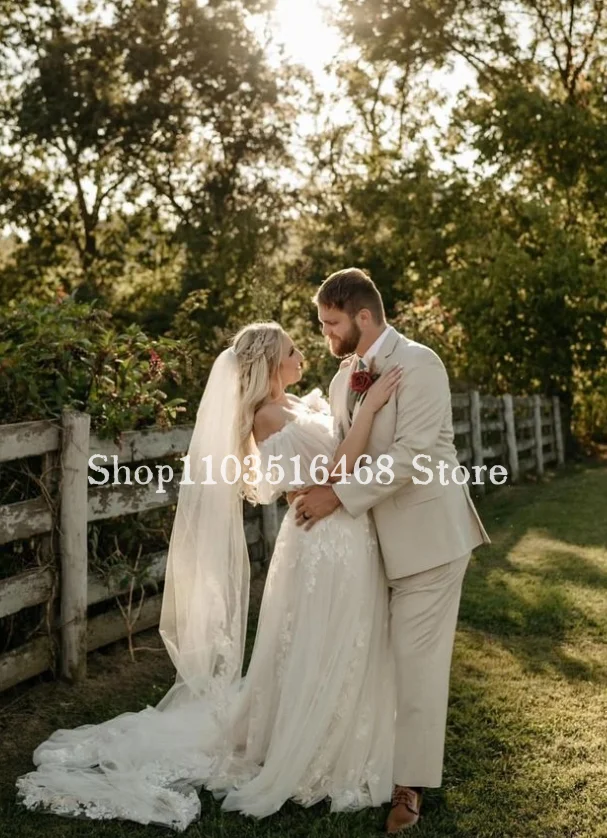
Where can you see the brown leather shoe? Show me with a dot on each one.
(406, 805)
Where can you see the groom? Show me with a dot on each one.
(426, 532)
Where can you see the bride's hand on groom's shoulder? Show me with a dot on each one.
(382, 388)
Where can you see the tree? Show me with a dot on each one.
(523, 264)
(164, 110)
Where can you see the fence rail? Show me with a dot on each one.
(488, 431)
(497, 430)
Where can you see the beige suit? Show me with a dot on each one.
(426, 534)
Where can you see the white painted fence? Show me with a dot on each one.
(521, 433)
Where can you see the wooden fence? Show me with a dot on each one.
(521, 433)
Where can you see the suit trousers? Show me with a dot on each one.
(423, 618)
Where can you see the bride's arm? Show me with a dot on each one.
(356, 439)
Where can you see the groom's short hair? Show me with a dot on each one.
(350, 290)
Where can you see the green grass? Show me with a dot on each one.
(527, 730)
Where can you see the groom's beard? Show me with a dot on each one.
(340, 347)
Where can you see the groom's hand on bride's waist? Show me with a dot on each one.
(314, 503)
(291, 496)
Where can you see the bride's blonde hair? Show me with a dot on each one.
(258, 348)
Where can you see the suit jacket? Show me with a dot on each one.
(418, 526)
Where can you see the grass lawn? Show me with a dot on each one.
(527, 729)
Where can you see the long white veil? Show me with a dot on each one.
(206, 594)
(314, 716)
(149, 765)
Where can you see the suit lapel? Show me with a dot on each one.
(381, 362)
(385, 350)
(342, 394)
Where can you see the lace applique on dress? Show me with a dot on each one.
(312, 718)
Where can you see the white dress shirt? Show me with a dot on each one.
(374, 348)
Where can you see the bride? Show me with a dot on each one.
(314, 716)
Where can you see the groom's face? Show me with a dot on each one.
(339, 330)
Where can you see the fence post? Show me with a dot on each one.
(511, 436)
(74, 560)
(476, 436)
(558, 430)
(49, 548)
(270, 527)
(539, 447)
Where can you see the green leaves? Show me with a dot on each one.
(135, 115)
(144, 157)
(69, 355)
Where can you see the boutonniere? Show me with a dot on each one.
(361, 380)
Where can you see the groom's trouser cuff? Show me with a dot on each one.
(423, 618)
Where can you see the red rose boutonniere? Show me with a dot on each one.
(361, 380)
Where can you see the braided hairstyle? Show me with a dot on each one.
(258, 348)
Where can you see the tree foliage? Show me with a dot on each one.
(155, 124)
(151, 158)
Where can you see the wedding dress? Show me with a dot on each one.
(314, 716)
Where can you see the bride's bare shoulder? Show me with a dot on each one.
(269, 419)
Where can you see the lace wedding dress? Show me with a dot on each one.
(314, 716)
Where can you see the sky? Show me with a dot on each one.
(311, 40)
(307, 36)
(301, 32)
(300, 25)
(303, 29)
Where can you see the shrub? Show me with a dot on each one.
(69, 355)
